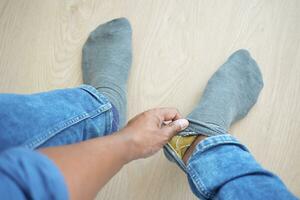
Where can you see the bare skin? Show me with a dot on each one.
(191, 149)
(87, 166)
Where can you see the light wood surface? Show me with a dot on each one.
(177, 46)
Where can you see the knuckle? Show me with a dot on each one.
(153, 110)
(146, 114)
(176, 110)
(157, 111)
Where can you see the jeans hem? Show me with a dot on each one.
(203, 146)
(202, 128)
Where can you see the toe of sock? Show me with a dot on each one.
(247, 65)
(240, 55)
(115, 30)
(120, 23)
(115, 26)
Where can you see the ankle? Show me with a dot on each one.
(191, 149)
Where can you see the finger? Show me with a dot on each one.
(168, 114)
(176, 126)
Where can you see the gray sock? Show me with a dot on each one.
(106, 60)
(228, 96)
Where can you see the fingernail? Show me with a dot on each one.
(183, 123)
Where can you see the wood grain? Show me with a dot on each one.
(177, 46)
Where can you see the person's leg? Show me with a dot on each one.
(54, 118)
(106, 61)
(219, 167)
(229, 95)
(72, 115)
(222, 168)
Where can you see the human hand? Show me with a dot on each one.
(149, 131)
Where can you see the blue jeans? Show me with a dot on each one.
(223, 168)
(54, 118)
(39, 120)
(220, 167)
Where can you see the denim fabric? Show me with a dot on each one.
(27, 174)
(222, 168)
(52, 118)
(116, 119)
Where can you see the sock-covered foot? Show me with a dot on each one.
(228, 96)
(106, 60)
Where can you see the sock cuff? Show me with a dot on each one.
(202, 128)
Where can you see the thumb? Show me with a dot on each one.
(174, 127)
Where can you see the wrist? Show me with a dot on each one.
(128, 146)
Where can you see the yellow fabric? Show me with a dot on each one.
(180, 144)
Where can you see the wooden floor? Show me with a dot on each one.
(177, 46)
